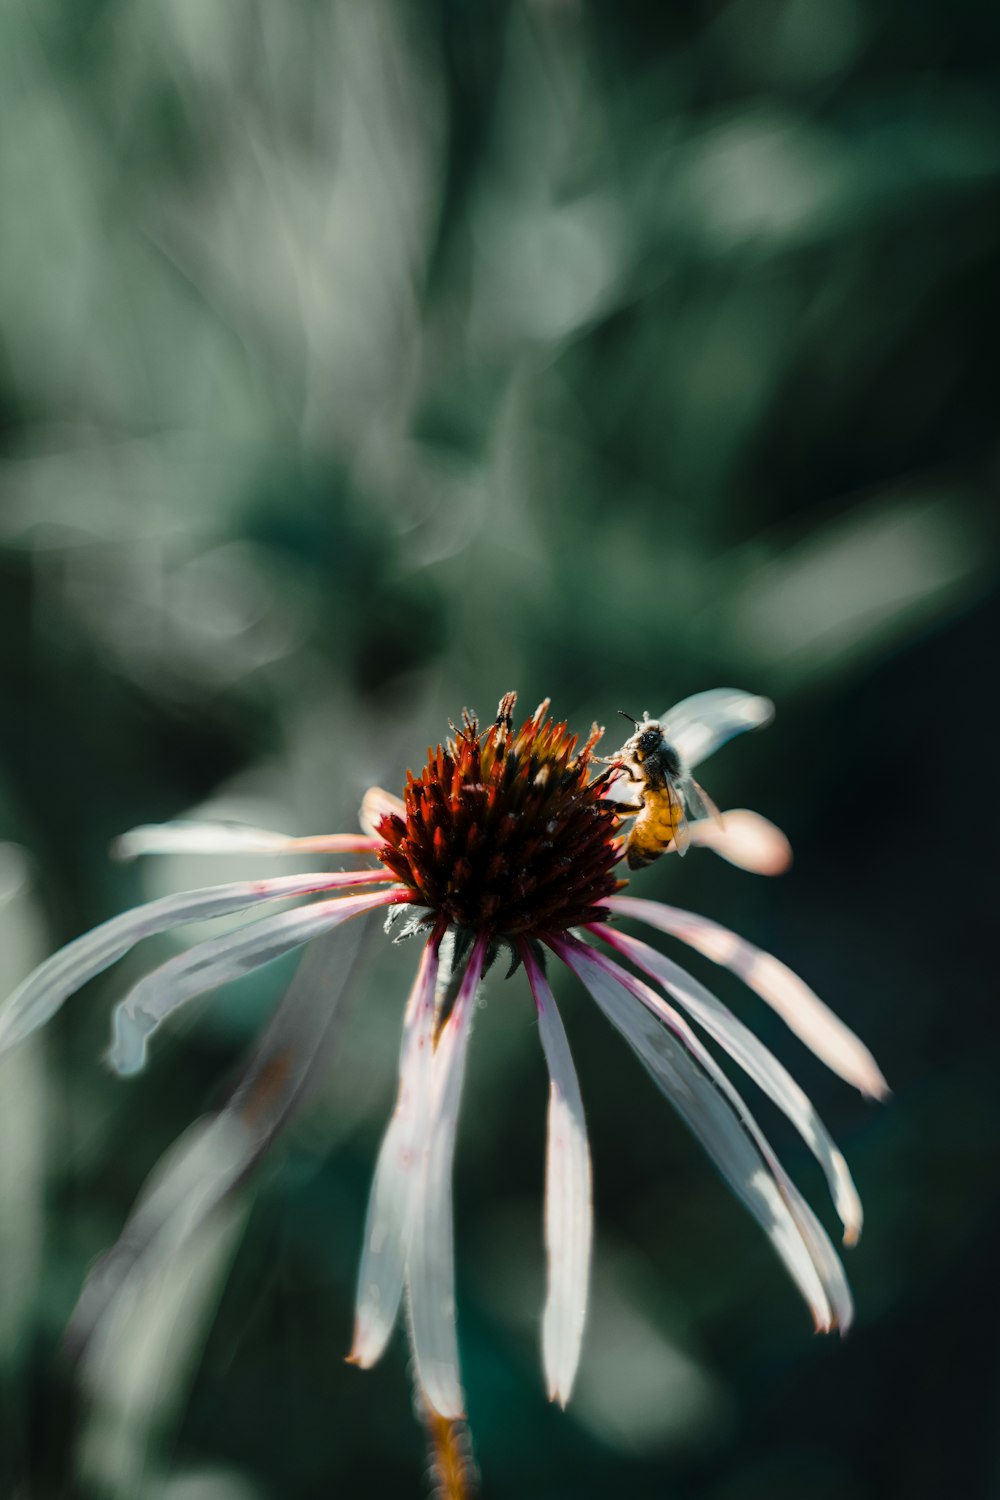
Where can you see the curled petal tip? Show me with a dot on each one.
(852, 1216)
(127, 1053)
(873, 1085)
(366, 1346)
(747, 840)
(362, 1353)
(127, 1058)
(840, 1320)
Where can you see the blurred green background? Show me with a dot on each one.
(361, 361)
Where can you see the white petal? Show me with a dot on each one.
(699, 725)
(232, 838)
(45, 990)
(569, 1214)
(394, 1190)
(219, 960)
(199, 1170)
(619, 788)
(377, 804)
(431, 1265)
(193, 1176)
(797, 1005)
(745, 839)
(761, 1064)
(705, 1099)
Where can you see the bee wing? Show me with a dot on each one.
(698, 805)
(697, 726)
(678, 794)
(692, 804)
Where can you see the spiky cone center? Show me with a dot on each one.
(507, 832)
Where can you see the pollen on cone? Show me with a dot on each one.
(507, 831)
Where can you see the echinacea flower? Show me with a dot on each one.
(509, 840)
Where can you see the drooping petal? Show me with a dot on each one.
(761, 1064)
(218, 961)
(393, 1197)
(719, 1118)
(745, 839)
(699, 725)
(431, 1265)
(233, 838)
(376, 805)
(45, 990)
(569, 1214)
(217, 1152)
(801, 1010)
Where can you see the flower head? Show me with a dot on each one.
(511, 836)
(509, 831)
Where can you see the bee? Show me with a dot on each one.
(669, 794)
(660, 757)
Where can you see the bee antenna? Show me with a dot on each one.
(629, 717)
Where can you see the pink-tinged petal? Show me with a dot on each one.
(431, 1266)
(569, 1213)
(393, 1197)
(220, 960)
(761, 1065)
(217, 1152)
(719, 1118)
(232, 838)
(801, 1010)
(701, 724)
(45, 990)
(745, 839)
(376, 805)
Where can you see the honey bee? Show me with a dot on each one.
(668, 794)
(659, 756)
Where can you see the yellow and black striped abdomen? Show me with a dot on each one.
(654, 827)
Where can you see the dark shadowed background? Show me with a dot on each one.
(359, 362)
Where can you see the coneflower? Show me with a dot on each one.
(509, 841)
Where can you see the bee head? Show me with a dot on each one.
(647, 739)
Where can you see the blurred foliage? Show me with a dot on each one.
(358, 361)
